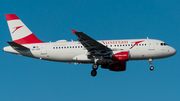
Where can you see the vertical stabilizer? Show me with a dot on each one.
(20, 33)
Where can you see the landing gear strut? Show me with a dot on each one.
(150, 63)
(94, 72)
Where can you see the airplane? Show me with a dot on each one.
(110, 54)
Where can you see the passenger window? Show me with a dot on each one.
(72, 46)
(114, 45)
(67, 47)
(139, 44)
(53, 47)
(162, 44)
(56, 47)
(64, 47)
(75, 46)
(117, 45)
(110, 45)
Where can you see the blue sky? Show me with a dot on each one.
(27, 79)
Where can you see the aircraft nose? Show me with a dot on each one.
(172, 51)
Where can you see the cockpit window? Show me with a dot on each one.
(164, 44)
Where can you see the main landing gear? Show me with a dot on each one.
(94, 72)
(94, 67)
(150, 63)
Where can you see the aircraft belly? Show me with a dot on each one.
(82, 58)
(65, 55)
(138, 55)
(160, 53)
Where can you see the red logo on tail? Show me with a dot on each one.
(16, 28)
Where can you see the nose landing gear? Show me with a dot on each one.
(150, 63)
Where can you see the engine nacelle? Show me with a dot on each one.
(121, 66)
(120, 56)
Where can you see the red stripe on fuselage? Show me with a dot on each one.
(30, 39)
(11, 17)
(137, 42)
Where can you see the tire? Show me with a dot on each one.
(94, 66)
(93, 73)
(151, 68)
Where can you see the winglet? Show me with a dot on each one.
(73, 31)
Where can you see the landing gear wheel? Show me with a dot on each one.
(150, 63)
(151, 68)
(94, 66)
(93, 73)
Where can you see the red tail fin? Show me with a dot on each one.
(20, 33)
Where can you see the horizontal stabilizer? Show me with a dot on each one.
(17, 46)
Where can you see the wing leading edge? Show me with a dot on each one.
(93, 46)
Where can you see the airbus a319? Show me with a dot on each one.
(109, 54)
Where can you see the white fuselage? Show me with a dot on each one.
(63, 51)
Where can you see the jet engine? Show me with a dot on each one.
(121, 56)
(120, 66)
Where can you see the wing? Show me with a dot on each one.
(93, 46)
